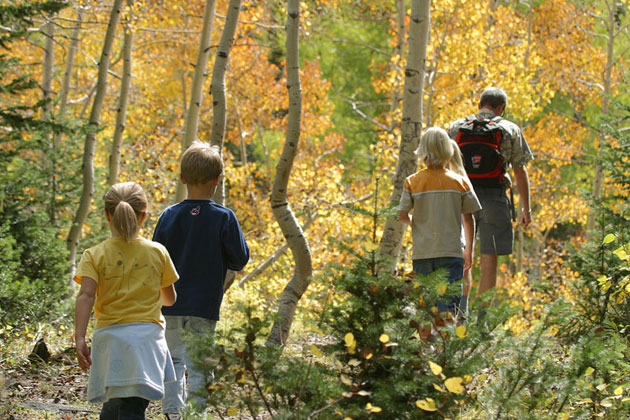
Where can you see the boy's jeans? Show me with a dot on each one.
(175, 392)
(455, 272)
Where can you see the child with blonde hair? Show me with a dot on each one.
(440, 198)
(126, 279)
(205, 240)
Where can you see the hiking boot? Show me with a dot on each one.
(173, 416)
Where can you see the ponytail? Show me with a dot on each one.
(125, 203)
(125, 221)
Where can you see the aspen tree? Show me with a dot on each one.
(123, 101)
(217, 88)
(196, 91)
(615, 29)
(219, 103)
(90, 139)
(291, 229)
(48, 65)
(63, 102)
(411, 121)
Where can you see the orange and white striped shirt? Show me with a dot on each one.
(438, 198)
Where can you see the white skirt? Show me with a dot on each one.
(129, 360)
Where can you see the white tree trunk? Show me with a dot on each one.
(63, 102)
(47, 68)
(411, 123)
(217, 87)
(90, 138)
(196, 92)
(401, 14)
(67, 75)
(121, 111)
(48, 64)
(287, 302)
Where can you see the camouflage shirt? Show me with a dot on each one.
(514, 149)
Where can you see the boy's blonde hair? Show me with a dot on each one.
(436, 148)
(125, 203)
(201, 163)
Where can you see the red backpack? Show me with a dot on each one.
(480, 143)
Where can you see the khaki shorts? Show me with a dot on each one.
(493, 223)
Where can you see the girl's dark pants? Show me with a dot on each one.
(131, 408)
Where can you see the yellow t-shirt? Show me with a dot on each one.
(129, 276)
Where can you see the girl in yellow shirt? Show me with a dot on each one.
(126, 279)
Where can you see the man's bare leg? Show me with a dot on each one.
(488, 280)
(488, 273)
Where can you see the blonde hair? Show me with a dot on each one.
(436, 148)
(125, 203)
(201, 163)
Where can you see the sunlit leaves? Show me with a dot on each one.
(622, 252)
(372, 408)
(461, 331)
(428, 404)
(454, 385)
(435, 368)
(351, 343)
(316, 351)
(609, 238)
(441, 289)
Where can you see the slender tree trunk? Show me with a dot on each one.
(217, 88)
(47, 94)
(121, 111)
(90, 138)
(520, 235)
(196, 92)
(67, 75)
(401, 13)
(287, 303)
(48, 68)
(63, 102)
(411, 123)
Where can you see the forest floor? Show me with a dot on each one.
(53, 390)
(31, 389)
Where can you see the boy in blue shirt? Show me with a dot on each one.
(204, 240)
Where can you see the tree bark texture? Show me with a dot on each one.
(293, 233)
(47, 68)
(121, 110)
(63, 102)
(196, 92)
(411, 123)
(401, 13)
(217, 87)
(48, 64)
(90, 138)
(67, 75)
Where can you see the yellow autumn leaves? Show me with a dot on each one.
(351, 343)
(622, 287)
(454, 385)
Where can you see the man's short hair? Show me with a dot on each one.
(493, 97)
(201, 163)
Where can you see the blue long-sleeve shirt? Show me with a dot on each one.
(204, 240)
